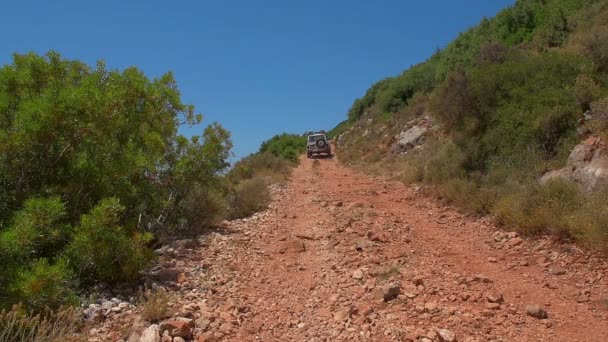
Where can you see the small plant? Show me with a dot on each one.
(63, 324)
(249, 197)
(154, 304)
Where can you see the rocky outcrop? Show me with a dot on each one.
(413, 135)
(587, 165)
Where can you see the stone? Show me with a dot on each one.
(536, 311)
(587, 165)
(179, 326)
(358, 274)
(168, 275)
(557, 270)
(515, 242)
(446, 335)
(151, 334)
(408, 139)
(494, 297)
(292, 246)
(388, 292)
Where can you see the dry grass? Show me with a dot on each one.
(249, 197)
(63, 324)
(154, 305)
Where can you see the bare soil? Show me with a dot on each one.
(323, 262)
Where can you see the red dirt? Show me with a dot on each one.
(310, 269)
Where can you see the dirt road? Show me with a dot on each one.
(340, 256)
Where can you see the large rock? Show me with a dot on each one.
(388, 292)
(178, 327)
(587, 165)
(409, 139)
(536, 311)
(151, 334)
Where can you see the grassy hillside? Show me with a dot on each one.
(508, 96)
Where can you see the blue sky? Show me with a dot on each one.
(257, 67)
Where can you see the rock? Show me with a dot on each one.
(358, 274)
(134, 337)
(536, 311)
(151, 334)
(292, 246)
(94, 313)
(168, 275)
(407, 140)
(388, 292)
(430, 307)
(515, 242)
(587, 165)
(178, 339)
(342, 315)
(181, 327)
(557, 270)
(306, 236)
(446, 335)
(494, 297)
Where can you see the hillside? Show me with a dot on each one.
(509, 119)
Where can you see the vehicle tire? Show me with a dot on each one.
(321, 143)
(309, 155)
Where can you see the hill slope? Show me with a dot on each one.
(498, 108)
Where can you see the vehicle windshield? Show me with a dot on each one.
(315, 138)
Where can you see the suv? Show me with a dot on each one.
(317, 144)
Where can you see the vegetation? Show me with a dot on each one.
(251, 176)
(154, 305)
(285, 146)
(49, 326)
(92, 170)
(509, 95)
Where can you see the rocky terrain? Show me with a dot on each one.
(340, 256)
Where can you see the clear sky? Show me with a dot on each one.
(257, 67)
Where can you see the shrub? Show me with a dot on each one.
(538, 209)
(45, 285)
(36, 230)
(263, 164)
(596, 46)
(446, 163)
(586, 90)
(285, 146)
(154, 305)
(63, 324)
(491, 53)
(249, 197)
(453, 102)
(102, 249)
(203, 208)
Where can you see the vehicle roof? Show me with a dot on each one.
(316, 134)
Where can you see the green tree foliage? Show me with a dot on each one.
(91, 163)
(509, 94)
(285, 146)
(488, 42)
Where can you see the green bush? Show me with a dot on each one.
(446, 163)
(44, 285)
(72, 136)
(586, 90)
(37, 230)
(264, 164)
(249, 197)
(104, 250)
(285, 146)
(203, 208)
